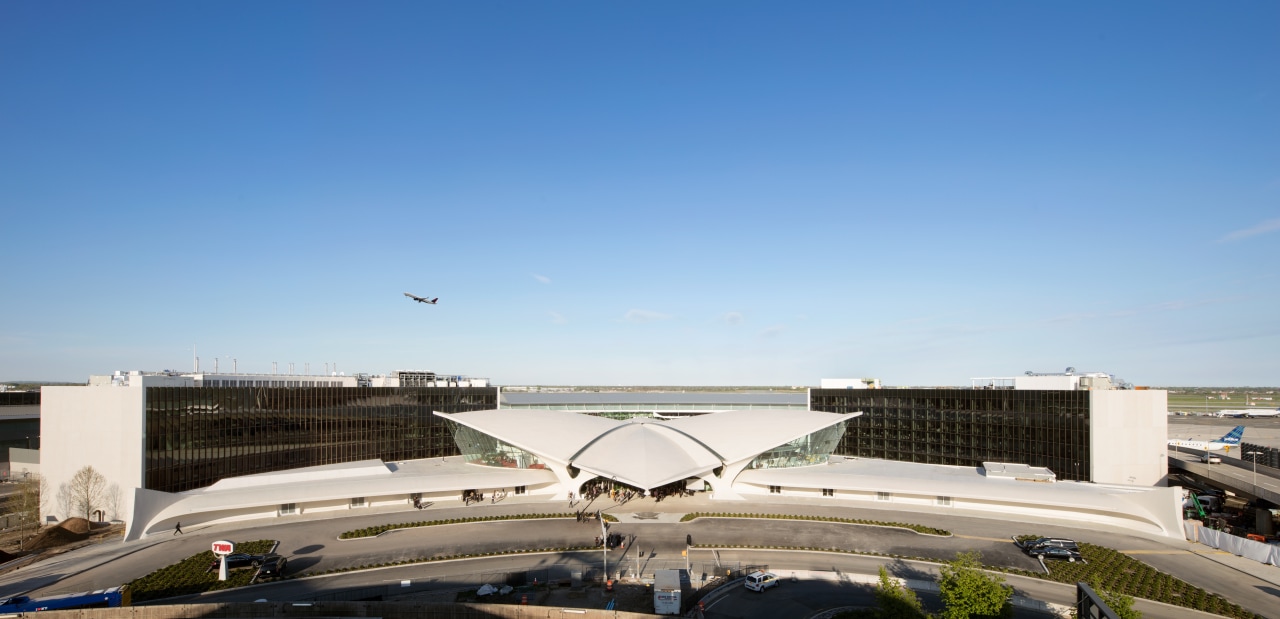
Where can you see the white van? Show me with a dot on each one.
(759, 581)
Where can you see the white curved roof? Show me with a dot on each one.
(645, 452)
(654, 455)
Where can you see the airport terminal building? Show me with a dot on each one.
(199, 448)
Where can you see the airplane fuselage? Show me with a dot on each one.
(1247, 413)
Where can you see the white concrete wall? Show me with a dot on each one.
(100, 427)
(1129, 437)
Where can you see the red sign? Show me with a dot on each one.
(223, 548)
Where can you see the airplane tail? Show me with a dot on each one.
(1232, 437)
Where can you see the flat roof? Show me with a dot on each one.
(799, 397)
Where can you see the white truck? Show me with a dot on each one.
(669, 591)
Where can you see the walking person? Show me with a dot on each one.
(177, 528)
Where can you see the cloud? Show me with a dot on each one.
(543, 279)
(640, 316)
(732, 319)
(558, 318)
(1270, 225)
(773, 331)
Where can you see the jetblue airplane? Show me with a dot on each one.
(1227, 441)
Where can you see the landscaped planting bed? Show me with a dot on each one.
(1109, 569)
(871, 523)
(1115, 571)
(383, 528)
(192, 575)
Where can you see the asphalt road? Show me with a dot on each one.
(311, 545)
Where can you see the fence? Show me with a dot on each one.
(1247, 548)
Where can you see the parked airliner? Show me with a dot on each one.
(1227, 441)
(1247, 413)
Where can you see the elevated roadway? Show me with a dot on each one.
(1232, 474)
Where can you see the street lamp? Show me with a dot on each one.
(1255, 455)
(1206, 405)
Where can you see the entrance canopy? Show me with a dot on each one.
(645, 452)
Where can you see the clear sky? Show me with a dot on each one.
(679, 193)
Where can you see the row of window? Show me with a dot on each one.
(272, 383)
(198, 435)
(965, 427)
(880, 496)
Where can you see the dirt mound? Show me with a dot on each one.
(76, 525)
(65, 532)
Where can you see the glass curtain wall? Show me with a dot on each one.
(808, 450)
(198, 435)
(480, 448)
(965, 426)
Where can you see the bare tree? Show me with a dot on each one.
(114, 498)
(85, 491)
(29, 502)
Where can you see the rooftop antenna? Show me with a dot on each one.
(233, 366)
(193, 354)
(326, 368)
(273, 369)
(215, 365)
(290, 368)
(306, 368)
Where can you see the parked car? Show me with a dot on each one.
(272, 566)
(759, 581)
(1059, 542)
(238, 560)
(1056, 552)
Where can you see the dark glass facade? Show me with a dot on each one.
(965, 426)
(198, 435)
(15, 431)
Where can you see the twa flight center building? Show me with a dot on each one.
(210, 448)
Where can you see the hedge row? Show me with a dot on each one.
(192, 575)
(873, 523)
(383, 528)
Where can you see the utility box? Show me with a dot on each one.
(670, 590)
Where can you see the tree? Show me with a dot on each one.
(968, 591)
(29, 504)
(896, 600)
(1119, 603)
(84, 493)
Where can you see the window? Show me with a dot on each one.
(945, 501)
(884, 496)
(775, 489)
(828, 492)
(520, 490)
(358, 502)
(288, 509)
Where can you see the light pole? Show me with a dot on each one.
(1206, 405)
(1255, 455)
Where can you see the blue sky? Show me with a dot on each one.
(731, 193)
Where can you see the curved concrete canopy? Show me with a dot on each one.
(645, 452)
(653, 455)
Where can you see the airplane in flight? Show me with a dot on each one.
(422, 299)
(1227, 441)
(1247, 413)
